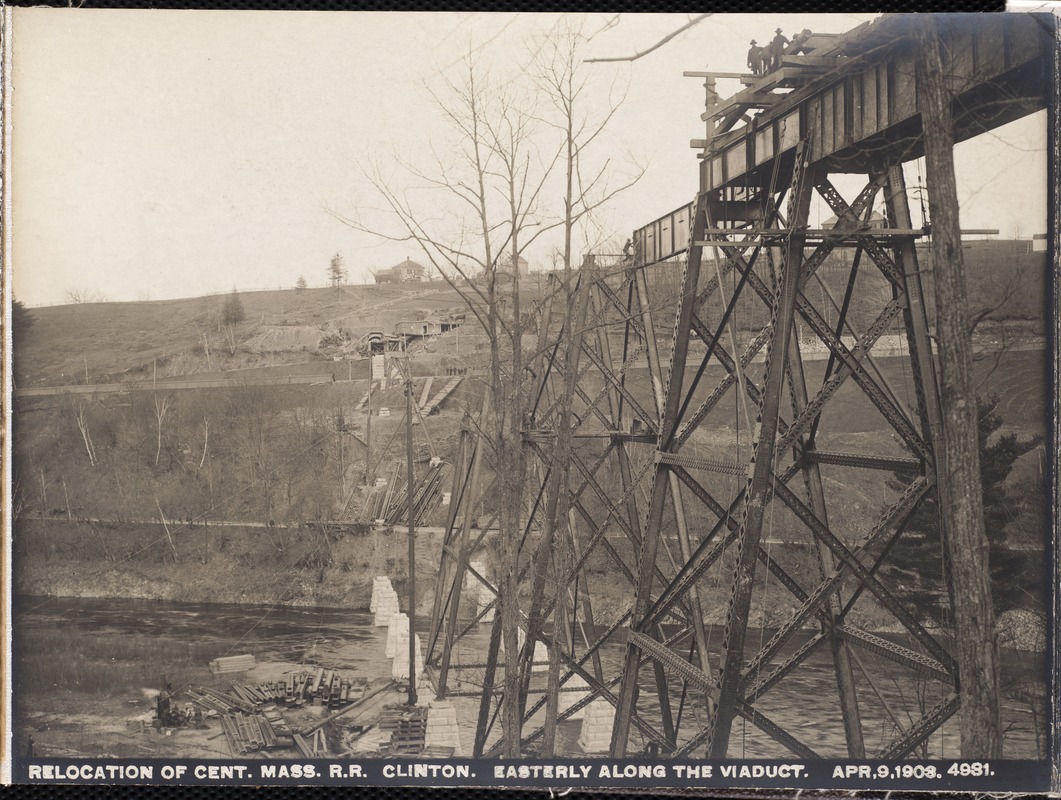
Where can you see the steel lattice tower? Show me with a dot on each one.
(701, 457)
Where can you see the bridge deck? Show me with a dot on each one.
(863, 109)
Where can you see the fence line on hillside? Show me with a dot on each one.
(220, 293)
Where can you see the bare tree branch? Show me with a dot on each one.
(694, 21)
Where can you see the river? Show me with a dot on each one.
(804, 703)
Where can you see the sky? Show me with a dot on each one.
(160, 154)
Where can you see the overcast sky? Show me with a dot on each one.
(161, 154)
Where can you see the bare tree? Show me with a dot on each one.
(81, 416)
(206, 344)
(18, 498)
(231, 339)
(169, 536)
(161, 407)
(82, 295)
(205, 425)
(560, 77)
(492, 177)
(490, 185)
(641, 53)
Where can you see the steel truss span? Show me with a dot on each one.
(692, 549)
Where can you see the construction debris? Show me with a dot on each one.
(248, 734)
(313, 746)
(251, 715)
(324, 686)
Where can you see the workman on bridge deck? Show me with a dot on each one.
(777, 49)
(757, 59)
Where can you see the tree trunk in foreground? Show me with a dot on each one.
(966, 539)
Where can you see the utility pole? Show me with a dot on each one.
(412, 531)
(339, 426)
(368, 427)
(962, 501)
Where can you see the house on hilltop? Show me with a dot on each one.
(506, 265)
(407, 271)
(503, 273)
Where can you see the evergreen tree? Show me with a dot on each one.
(21, 318)
(21, 321)
(915, 564)
(232, 311)
(337, 271)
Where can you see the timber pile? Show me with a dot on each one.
(388, 503)
(251, 715)
(220, 666)
(407, 728)
(276, 721)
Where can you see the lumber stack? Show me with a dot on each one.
(407, 727)
(226, 664)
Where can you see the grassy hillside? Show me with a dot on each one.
(116, 341)
(286, 455)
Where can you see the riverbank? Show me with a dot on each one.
(252, 565)
(312, 567)
(211, 564)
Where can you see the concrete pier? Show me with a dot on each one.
(386, 607)
(380, 585)
(567, 699)
(398, 628)
(597, 721)
(442, 730)
(400, 665)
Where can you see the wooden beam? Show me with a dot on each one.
(695, 74)
(809, 61)
(743, 103)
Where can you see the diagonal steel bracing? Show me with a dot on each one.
(739, 521)
(700, 510)
(686, 522)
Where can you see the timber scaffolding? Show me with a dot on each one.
(669, 467)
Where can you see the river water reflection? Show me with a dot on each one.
(804, 703)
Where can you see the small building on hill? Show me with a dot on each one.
(407, 271)
(506, 265)
(427, 327)
(503, 273)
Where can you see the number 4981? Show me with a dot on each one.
(967, 769)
